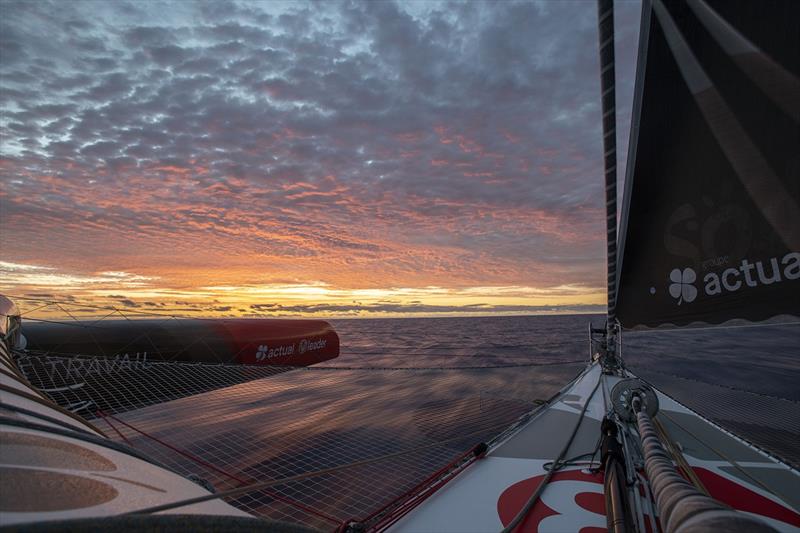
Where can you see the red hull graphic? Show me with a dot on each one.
(584, 511)
(587, 503)
(741, 498)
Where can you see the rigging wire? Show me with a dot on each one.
(543, 484)
(61, 322)
(83, 358)
(509, 361)
(84, 436)
(576, 460)
(49, 419)
(721, 454)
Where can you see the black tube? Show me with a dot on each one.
(616, 504)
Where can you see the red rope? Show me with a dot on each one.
(345, 524)
(408, 506)
(241, 481)
(421, 490)
(416, 487)
(112, 426)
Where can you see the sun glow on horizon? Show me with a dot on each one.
(149, 294)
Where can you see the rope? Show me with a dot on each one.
(27, 412)
(730, 460)
(450, 470)
(749, 440)
(112, 426)
(677, 455)
(406, 508)
(60, 322)
(97, 440)
(577, 459)
(672, 492)
(48, 403)
(543, 484)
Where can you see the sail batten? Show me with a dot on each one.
(711, 216)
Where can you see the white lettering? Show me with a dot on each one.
(747, 268)
(776, 273)
(792, 262)
(264, 352)
(712, 284)
(308, 346)
(732, 279)
(726, 280)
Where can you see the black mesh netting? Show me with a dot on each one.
(744, 379)
(229, 424)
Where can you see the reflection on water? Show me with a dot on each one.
(313, 419)
(764, 358)
(433, 388)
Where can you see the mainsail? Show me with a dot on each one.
(711, 217)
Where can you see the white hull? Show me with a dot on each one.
(489, 493)
(53, 467)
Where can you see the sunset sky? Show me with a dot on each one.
(310, 159)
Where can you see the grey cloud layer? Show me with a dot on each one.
(447, 137)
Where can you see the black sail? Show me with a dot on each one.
(710, 228)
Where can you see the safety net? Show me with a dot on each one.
(742, 378)
(383, 432)
(355, 437)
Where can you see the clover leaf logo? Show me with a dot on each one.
(261, 353)
(682, 286)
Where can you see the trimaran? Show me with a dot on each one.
(709, 234)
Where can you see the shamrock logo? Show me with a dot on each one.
(682, 286)
(261, 353)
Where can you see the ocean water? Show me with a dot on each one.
(747, 379)
(407, 396)
(462, 342)
(762, 359)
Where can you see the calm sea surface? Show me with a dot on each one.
(764, 359)
(747, 379)
(417, 393)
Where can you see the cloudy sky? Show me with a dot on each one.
(330, 158)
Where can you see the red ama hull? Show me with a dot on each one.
(278, 342)
(283, 342)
